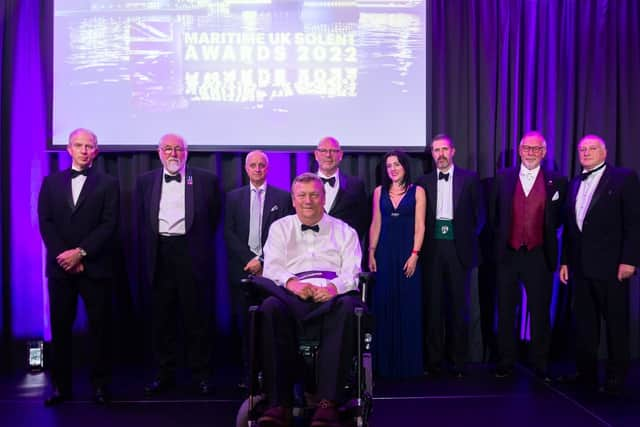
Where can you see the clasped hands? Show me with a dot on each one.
(307, 290)
(69, 260)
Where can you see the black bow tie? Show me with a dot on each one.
(585, 175)
(169, 178)
(331, 181)
(444, 176)
(75, 173)
(315, 228)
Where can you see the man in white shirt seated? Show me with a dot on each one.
(317, 259)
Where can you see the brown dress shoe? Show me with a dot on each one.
(276, 416)
(326, 415)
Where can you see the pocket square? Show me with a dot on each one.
(555, 197)
(274, 208)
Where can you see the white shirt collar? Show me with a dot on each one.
(532, 172)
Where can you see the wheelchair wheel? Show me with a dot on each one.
(243, 417)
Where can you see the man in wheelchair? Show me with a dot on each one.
(313, 260)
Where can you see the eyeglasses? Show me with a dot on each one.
(328, 151)
(592, 148)
(532, 149)
(167, 149)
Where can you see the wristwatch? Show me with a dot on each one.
(83, 253)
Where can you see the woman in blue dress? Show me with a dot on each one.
(395, 236)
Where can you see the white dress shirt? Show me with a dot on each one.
(330, 192)
(289, 251)
(171, 215)
(444, 205)
(76, 187)
(585, 194)
(528, 178)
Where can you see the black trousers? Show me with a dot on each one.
(593, 300)
(530, 269)
(176, 291)
(447, 298)
(63, 302)
(336, 329)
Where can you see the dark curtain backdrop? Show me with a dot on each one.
(497, 69)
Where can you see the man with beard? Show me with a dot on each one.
(179, 210)
(455, 216)
(525, 210)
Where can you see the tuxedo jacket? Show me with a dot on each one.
(90, 224)
(203, 201)
(351, 204)
(501, 205)
(468, 213)
(611, 228)
(276, 204)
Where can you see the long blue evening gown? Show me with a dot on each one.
(397, 300)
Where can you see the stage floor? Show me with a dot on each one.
(477, 400)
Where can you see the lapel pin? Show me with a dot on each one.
(189, 180)
(274, 208)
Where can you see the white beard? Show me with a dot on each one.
(173, 166)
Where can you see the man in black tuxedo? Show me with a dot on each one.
(78, 212)
(179, 208)
(601, 251)
(249, 212)
(455, 216)
(525, 210)
(346, 198)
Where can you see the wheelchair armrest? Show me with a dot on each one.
(366, 281)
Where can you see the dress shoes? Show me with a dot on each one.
(101, 395)
(56, 398)
(458, 372)
(276, 416)
(205, 388)
(582, 380)
(503, 372)
(326, 415)
(159, 386)
(433, 371)
(543, 375)
(613, 386)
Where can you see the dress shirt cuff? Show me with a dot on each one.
(343, 284)
(282, 280)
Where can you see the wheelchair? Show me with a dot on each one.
(356, 411)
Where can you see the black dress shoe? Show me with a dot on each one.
(101, 395)
(159, 386)
(613, 387)
(458, 373)
(56, 398)
(579, 380)
(503, 372)
(543, 376)
(433, 371)
(205, 388)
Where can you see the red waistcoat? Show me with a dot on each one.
(527, 213)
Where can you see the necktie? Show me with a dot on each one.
(255, 223)
(331, 181)
(314, 228)
(585, 175)
(75, 173)
(444, 176)
(169, 178)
